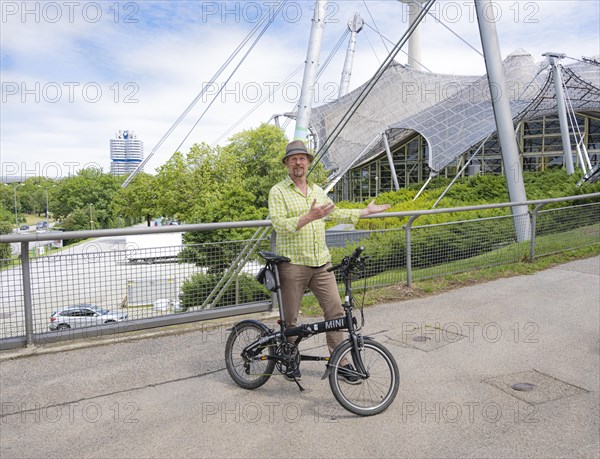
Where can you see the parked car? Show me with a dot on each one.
(24, 228)
(83, 315)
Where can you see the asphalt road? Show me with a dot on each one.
(169, 395)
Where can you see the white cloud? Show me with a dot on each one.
(115, 73)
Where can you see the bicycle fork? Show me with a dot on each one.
(357, 345)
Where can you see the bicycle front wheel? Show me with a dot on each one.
(368, 395)
(250, 371)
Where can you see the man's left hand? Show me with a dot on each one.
(373, 208)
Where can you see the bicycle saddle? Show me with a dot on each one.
(273, 258)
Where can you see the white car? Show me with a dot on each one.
(83, 315)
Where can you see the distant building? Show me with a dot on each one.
(126, 153)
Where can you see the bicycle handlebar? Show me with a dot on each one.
(358, 251)
(348, 261)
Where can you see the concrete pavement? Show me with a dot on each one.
(170, 395)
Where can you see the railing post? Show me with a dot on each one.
(409, 250)
(27, 293)
(274, 300)
(534, 215)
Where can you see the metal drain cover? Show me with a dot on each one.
(421, 339)
(534, 387)
(523, 387)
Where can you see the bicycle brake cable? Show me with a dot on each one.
(361, 267)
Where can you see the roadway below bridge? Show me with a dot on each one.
(508, 368)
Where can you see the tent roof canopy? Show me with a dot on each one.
(452, 112)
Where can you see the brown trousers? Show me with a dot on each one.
(294, 281)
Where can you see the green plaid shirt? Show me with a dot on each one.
(305, 246)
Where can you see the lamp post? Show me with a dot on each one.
(16, 207)
(16, 212)
(47, 212)
(46, 188)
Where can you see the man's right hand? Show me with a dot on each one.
(316, 212)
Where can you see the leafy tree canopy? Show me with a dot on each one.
(138, 199)
(90, 191)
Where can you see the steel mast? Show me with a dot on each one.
(562, 109)
(502, 114)
(355, 25)
(310, 71)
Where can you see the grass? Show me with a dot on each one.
(471, 274)
(48, 251)
(32, 219)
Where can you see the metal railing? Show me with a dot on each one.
(169, 285)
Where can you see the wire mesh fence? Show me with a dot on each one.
(456, 247)
(567, 228)
(120, 280)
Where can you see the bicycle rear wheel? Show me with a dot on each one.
(252, 371)
(373, 394)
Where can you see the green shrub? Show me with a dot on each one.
(5, 252)
(196, 289)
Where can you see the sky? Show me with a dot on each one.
(74, 73)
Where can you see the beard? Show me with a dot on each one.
(298, 172)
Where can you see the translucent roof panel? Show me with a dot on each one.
(453, 113)
(400, 92)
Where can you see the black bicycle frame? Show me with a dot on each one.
(348, 322)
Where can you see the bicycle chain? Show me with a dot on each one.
(289, 359)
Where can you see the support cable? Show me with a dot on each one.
(271, 92)
(376, 28)
(369, 87)
(584, 159)
(366, 35)
(459, 173)
(403, 52)
(451, 31)
(198, 97)
(267, 25)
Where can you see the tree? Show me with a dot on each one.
(6, 226)
(223, 184)
(88, 188)
(6, 196)
(257, 153)
(32, 195)
(138, 199)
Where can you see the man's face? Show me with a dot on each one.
(297, 165)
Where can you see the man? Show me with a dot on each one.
(298, 208)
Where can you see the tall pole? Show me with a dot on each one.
(562, 110)
(16, 212)
(414, 41)
(504, 123)
(390, 161)
(355, 25)
(310, 71)
(47, 214)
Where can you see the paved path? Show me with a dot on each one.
(169, 395)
